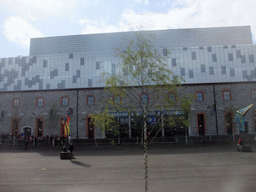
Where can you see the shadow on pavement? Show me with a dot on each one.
(79, 163)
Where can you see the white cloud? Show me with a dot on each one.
(83, 21)
(39, 8)
(143, 1)
(186, 14)
(20, 31)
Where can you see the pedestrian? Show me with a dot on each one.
(71, 149)
(240, 141)
(26, 142)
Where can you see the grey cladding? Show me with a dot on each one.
(56, 70)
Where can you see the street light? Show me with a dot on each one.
(118, 127)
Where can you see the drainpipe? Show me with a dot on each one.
(215, 111)
(77, 114)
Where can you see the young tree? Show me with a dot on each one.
(143, 82)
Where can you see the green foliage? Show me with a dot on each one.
(105, 121)
(142, 70)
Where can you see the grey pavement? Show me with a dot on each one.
(197, 167)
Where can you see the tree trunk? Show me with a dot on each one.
(145, 152)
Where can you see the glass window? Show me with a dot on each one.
(193, 54)
(144, 99)
(164, 52)
(202, 68)
(209, 49)
(254, 117)
(113, 68)
(230, 56)
(232, 72)
(199, 96)
(182, 71)
(243, 60)
(97, 65)
(81, 61)
(211, 70)
(223, 70)
(172, 97)
(64, 101)
(90, 100)
(117, 99)
(16, 102)
(214, 58)
(226, 95)
(173, 61)
(191, 74)
(251, 58)
(40, 102)
(253, 94)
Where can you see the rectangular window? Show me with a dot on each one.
(245, 74)
(172, 97)
(232, 72)
(238, 54)
(164, 52)
(173, 61)
(65, 101)
(201, 47)
(185, 48)
(182, 71)
(16, 103)
(226, 95)
(230, 56)
(117, 99)
(191, 74)
(70, 55)
(214, 58)
(90, 100)
(251, 58)
(113, 67)
(144, 99)
(202, 68)
(45, 63)
(81, 61)
(10, 61)
(199, 96)
(233, 46)
(193, 55)
(223, 70)
(253, 94)
(98, 65)
(211, 70)
(209, 49)
(243, 60)
(40, 102)
(89, 82)
(225, 47)
(67, 67)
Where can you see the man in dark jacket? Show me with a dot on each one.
(26, 142)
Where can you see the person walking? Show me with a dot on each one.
(26, 142)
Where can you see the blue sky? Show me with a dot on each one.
(21, 20)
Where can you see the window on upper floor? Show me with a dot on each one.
(144, 98)
(172, 97)
(199, 96)
(90, 100)
(226, 95)
(40, 102)
(16, 103)
(64, 101)
(117, 99)
(253, 94)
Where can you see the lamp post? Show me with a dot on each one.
(118, 127)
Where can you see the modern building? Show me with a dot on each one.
(218, 65)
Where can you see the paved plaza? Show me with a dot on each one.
(198, 167)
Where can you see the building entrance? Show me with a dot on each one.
(201, 128)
